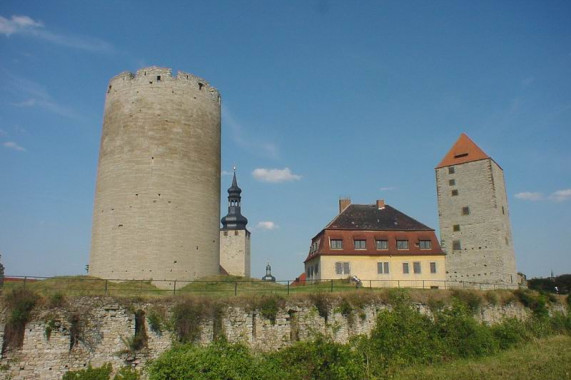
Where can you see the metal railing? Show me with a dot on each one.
(84, 285)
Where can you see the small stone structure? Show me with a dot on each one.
(157, 200)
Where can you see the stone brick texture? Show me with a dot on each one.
(235, 252)
(487, 252)
(157, 199)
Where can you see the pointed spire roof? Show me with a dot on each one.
(234, 189)
(464, 150)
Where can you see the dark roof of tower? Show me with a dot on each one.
(372, 218)
(234, 189)
(464, 150)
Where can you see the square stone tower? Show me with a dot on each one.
(234, 237)
(474, 219)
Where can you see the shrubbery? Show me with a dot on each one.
(402, 337)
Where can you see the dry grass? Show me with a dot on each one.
(545, 359)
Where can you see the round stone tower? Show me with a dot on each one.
(157, 200)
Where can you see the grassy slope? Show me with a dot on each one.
(546, 359)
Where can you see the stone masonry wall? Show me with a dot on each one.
(157, 198)
(106, 325)
(235, 252)
(486, 248)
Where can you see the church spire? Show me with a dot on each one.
(234, 220)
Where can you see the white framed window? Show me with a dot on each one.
(383, 267)
(336, 243)
(416, 267)
(433, 267)
(342, 267)
(425, 244)
(382, 244)
(402, 244)
(405, 268)
(360, 244)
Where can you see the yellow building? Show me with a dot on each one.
(377, 245)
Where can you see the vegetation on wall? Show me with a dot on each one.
(20, 303)
(403, 337)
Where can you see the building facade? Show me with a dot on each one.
(234, 237)
(474, 217)
(157, 198)
(379, 245)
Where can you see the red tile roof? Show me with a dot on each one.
(464, 150)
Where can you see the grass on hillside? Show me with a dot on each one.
(545, 359)
(212, 286)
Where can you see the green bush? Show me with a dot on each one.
(320, 359)
(269, 307)
(322, 303)
(509, 333)
(155, 320)
(127, 373)
(462, 335)
(537, 302)
(186, 318)
(90, 373)
(220, 360)
(20, 303)
(471, 298)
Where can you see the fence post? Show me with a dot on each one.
(106, 281)
(174, 287)
(422, 284)
(25, 278)
(288, 287)
(236, 288)
(331, 286)
(398, 283)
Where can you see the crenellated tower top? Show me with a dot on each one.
(158, 77)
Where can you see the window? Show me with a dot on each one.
(456, 245)
(503, 210)
(416, 267)
(425, 244)
(336, 243)
(383, 268)
(451, 170)
(360, 244)
(402, 244)
(405, 268)
(452, 182)
(316, 268)
(342, 268)
(456, 228)
(382, 244)
(454, 192)
(466, 210)
(432, 267)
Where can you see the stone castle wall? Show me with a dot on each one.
(157, 200)
(107, 324)
(486, 248)
(235, 252)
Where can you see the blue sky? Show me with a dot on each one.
(321, 99)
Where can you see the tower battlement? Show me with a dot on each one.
(161, 76)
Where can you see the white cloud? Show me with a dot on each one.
(241, 138)
(226, 172)
(3, 132)
(35, 95)
(18, 24)
(387, 188)
(12, 145)
(266, 225)
(529, 196)
(561, 195)
(24, 25)
(275, 175)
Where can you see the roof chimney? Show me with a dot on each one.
(380, 204)
(343, 204)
